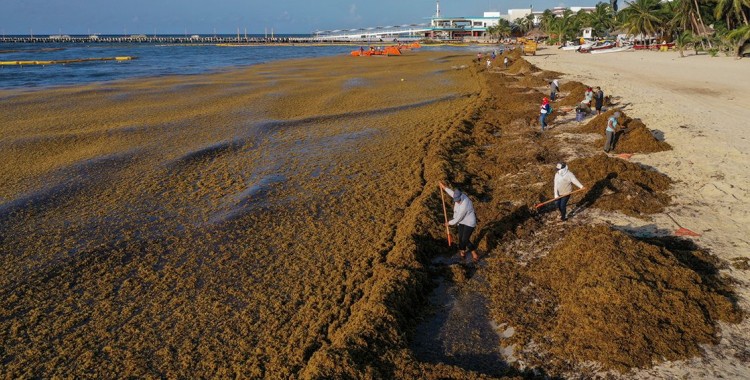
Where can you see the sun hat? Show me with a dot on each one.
(617, 114)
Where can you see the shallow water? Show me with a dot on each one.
(152, 60)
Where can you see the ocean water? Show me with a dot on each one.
(151, 60)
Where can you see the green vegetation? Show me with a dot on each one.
(503, 29)
(714, 26)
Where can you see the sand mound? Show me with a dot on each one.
(634, 137)
(619, 185)
(601, 295)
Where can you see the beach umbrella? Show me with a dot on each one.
(536, 33)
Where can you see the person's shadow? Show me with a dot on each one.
(595, 193)
(496, 230)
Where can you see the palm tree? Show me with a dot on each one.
(740, 36)
(546, 20)
(581, 19)
(530, 17)
(564, 26)
(493, 31)
(524, 24)
(700, 23)
(642, 17)
(601, 19)
(667, 13)
(502, 29)
(686, 16)
(682, 41)
(734, 8)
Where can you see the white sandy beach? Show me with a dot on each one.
(699, 105)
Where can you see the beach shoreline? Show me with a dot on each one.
(295, 203)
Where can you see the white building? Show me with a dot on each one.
(439, 27)
(514, 14)
(455, 28)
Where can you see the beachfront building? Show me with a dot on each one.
(462, 28)
(514, 14)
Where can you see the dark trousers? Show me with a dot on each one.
(562, 205)
(464, 233)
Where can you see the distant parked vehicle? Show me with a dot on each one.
(529, 47)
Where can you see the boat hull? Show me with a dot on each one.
(612, 50)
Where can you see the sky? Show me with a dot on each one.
(226, 16)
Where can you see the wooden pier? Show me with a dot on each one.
(166, 40)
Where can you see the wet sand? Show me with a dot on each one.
(284, 221)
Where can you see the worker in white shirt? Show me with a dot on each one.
(564, 181)
(465, 219)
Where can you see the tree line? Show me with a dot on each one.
(713, 26)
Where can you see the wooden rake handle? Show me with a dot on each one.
(554, 199)
(445, 215)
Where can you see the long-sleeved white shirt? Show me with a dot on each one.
(463, 213)
(564, 181)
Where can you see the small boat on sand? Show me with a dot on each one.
(598, 46)
(613, 50)
(569, 46)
